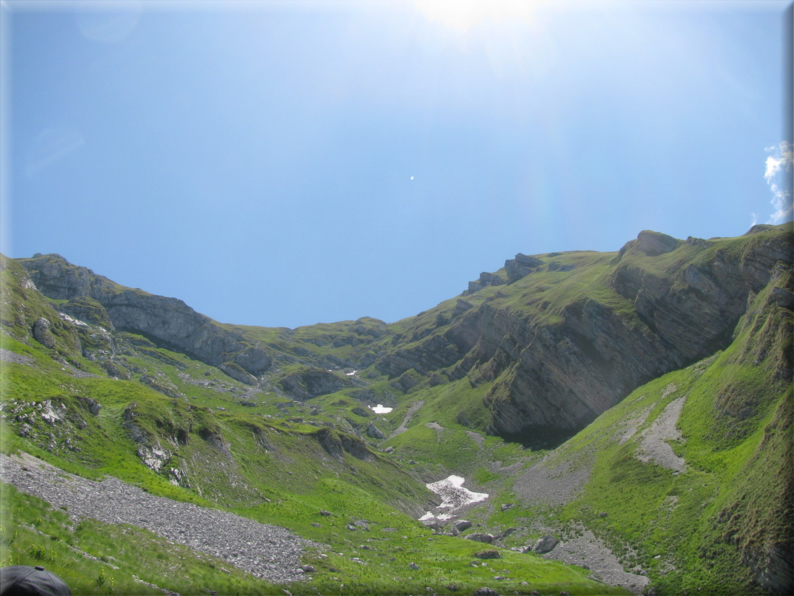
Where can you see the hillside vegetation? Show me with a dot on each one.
(634, 406)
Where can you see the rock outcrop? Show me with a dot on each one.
(486, 279)
(521, 266)
(336, 444)
(167, 320)
(42, 333)
(306, 383)
(559, 373)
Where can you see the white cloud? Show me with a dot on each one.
(778, 177)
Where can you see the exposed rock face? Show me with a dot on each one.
(236, 372)
(374, 432)
(167, 319)
(336, 444)
(42, 333)
(654, 243)
(775, 571)
(486, 279)
(560, 374)
(521, 266)
(88, 310)
(311, 382)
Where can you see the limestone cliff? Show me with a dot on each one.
(557, 360)
(169, 320)
(555, 340)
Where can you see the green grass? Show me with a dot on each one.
(733, 484)
(267, 462)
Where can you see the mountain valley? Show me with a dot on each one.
(627, 414)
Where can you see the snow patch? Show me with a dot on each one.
(350, 374)
(379, 409)
(453, 496)
(73, 321)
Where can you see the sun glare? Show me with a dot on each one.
(464, 15)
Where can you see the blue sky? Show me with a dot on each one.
(283, 164)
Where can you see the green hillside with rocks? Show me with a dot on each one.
(627, 414)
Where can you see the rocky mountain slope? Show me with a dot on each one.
(562, 338)
(99, 378)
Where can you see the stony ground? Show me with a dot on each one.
(588, 551)
(268, 552)
(408, 415)
(9, 356)
(654, 446)
(555, 481)
(550, 482)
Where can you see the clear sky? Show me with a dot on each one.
(288, 163)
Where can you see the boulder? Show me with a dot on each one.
(433, 524)
(42, 333)
(462, 524)
(545, 544)
(236, 372)
(374, 432)
(254, 360)
(482, 537)
(488, 554)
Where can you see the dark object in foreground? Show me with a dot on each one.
(21, 580)
(488, 554)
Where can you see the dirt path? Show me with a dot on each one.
(403, 426)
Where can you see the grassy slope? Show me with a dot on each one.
(696, 529)
(727, 492)
(280, 473)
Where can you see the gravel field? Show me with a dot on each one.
(654, 446)
(548, 483)
(267, 552)
(9, 356)
(587, 550)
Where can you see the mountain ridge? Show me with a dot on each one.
(650, 388)
(638, 326)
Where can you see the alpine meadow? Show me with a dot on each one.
(628, 416)
(397, 297)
